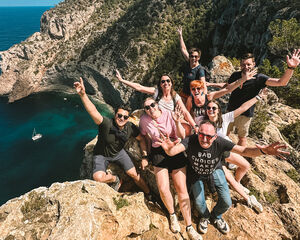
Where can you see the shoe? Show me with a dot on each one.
(192, 233)
(253, 203)
(203, 224)
(232, 166)
(221, 225)
(115, 185)
(246, 190)
(174, 224)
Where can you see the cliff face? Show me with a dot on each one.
(90, 38)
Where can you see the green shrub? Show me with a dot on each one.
(121, 202)
(271, 197)
(259, 121)
(291, 133)
(294, 175)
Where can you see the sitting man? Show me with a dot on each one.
(204, 152)
(112, 136)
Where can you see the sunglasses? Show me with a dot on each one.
(120, 116)
(211, 108)
(147, 107)
(197, 88)
(202, 135)
(193, 56)
(163, 81)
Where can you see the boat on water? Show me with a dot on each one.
(36, 136)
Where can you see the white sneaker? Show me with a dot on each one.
(253, 203)
(174, 224)
(232, 166)
(192, 233)
(203, 224)
(222, 225)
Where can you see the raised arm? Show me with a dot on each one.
(88, 105)
(217, 85)
(171, 148)
(292, 63)
(182, 44)
(230, 87)
(271, 149)
(136, 86)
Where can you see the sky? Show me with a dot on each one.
(15, 3)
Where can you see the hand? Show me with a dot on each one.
(177, 114)
(294, 60)
(263, 93)
(79, 86)
(118, 75)
(274, 149)
(179, 30)
(144, 164)
(166, 143)
(247, 75)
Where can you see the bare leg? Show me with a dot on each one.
(104, 177)
(138, 179)
(242, 163)
(163, 184)
(179, 179)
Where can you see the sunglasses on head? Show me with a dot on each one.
(147, 107)
(212, 108)
(202, 135)
(193, 56)
(163, 81)
(120, 116)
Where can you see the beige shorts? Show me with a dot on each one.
(242, 124)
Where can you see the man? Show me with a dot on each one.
(204, 152)
(112, 136)
(194, 70)
(251, 88)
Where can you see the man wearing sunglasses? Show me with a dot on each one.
(112, 136)
(204, 152)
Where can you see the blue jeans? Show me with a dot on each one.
(224, 199)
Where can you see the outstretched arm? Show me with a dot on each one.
(182, 44)
(271, 149)
(136, 86)
(292, 63)
(217, 85)
(230, 87)
(89, 106)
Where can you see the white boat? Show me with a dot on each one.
(36, 136)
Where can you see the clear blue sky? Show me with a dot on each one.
(14, 3)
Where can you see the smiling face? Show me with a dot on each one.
(151, 108)
(247, 64)
(212, 111)
(206, 135)
(121, 117)
(197, 90)
(165, 83)
(194, 58)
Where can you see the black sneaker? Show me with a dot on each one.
(115, 185)
(203, 225)
(221, 225)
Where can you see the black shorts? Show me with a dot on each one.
(160, 159)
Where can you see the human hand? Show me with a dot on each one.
(263, 93)
(274, 149)
(177, 114)
(294, 61)
(79, 86)
(179, 30)
(118, 75)
(144, 164)
(166, 143)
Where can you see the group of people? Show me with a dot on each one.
(186, 136)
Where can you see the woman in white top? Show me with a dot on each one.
(214, 114)
(164, 94)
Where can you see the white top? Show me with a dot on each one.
(227, 118)
(167, 105)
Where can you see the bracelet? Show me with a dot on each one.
(262, 151)
(258, 97)
(292, 68)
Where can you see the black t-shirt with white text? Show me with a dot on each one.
(204, 161)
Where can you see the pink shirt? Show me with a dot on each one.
(164, 124)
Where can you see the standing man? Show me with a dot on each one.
(204, 152)
(112, 136)
(251, 88)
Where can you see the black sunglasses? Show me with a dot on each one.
(147, 107)
(193, 56)
(209, 137)
(120, 116)
(198, 88)
(212, 108)
(163, 81)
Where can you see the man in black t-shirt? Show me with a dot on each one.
(251, 88)
(112, 136)
(204, 152)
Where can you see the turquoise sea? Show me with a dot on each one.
(61, 119)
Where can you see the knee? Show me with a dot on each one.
(99, 176)
(226, 202)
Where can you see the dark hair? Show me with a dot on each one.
(205, 121)
(220, 119)
(160, 92)
(124, 107)
(247, 56)
(191, 50)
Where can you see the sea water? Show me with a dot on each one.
(61, 119)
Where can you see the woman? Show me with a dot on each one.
(214, 114)
(164, 94)
(154, 123)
